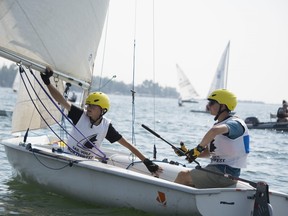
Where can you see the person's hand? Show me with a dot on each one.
(152, 167)
(182, 150)
(46, 76)
(194, 153)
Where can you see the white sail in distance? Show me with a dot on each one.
(187, 91)
(220, 78)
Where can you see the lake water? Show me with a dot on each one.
(267, 160)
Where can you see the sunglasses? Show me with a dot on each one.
(211, 102)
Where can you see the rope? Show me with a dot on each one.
(154, 85)
(22, 70)
(63, 114)
(70, 164)
(104, 49)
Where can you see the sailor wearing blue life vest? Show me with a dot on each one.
(226, 143)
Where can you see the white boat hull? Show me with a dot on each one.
(111, 185)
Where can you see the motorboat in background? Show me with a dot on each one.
(254, 123)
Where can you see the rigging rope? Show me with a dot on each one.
(103, 156)
(154, 85)
(133, 79)
(104, 49)
(21, 70)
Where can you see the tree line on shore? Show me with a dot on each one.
(107, 85)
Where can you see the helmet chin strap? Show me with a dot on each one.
(219, 112)
(100, 117)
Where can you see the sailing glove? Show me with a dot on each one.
(182, 150)
(194, 153)
(152, 167)
(46, 76)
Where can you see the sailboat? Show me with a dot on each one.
(220, 77)
(188, 94)
(38, 33)
(16, 82)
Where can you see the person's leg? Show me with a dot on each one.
(202, 179)
(185, 178)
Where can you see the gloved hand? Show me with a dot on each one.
(179, 151)
(152, 167)
(46, 76)
(194, 153)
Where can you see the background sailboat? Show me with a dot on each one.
(220, 78)
(16, 82)
(188, 94)
(221, 74)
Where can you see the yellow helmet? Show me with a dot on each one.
(223, 96)
(98, 98)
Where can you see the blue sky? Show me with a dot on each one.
(193, 34)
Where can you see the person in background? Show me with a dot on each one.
(227, 144)
(93, 125)
(282, 112)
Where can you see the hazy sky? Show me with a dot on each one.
(193, 34)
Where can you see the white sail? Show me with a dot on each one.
(187, 91)
(25, 114)
(220, 78)
(64, 34)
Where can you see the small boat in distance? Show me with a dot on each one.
(254, 123)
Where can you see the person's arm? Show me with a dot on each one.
(59, 97)
(134, 150)
(152, 167)
(286, 113)
(208, 138)
(210, 135)
(53, 91)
